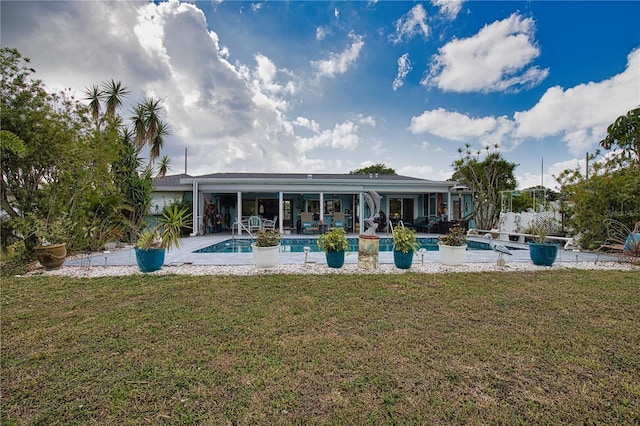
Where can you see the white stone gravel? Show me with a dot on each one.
(318, 269)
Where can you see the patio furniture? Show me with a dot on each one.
(270, 224)
(420, 220)
(426, 224)
(621, 241)
(338, 220)
(254, 224)
(307, 222)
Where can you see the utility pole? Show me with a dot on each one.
(586, 157)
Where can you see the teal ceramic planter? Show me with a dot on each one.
(543, 254)
(335, 259)
(149, 260)
(402, 260)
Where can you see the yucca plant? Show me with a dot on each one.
(166, 234)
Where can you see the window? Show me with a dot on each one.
(332, 206)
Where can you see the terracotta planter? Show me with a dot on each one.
(451, 255)
(368, 248)
(265, 257)
(51, 256)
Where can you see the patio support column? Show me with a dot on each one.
(361, 213)
(322, 207)
(449, 209)
(239, 213)
(280, 210)
(195, 209)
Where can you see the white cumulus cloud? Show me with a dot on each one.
(307, 124)
(321, 33)
(404, 67)
(410, 25)
(339, 63)
(343, 136)
(449, 8)
(497, 58)
(582, 113)
(452, 125)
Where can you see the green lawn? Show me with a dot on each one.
(559, 347)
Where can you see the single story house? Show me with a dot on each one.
(283, 196)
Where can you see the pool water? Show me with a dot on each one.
(297, 245)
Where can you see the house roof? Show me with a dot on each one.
(296, 176)
(172, 180)
(301, 182)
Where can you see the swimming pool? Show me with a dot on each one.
(297, 245)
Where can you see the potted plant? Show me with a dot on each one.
(405, 243)
(266, 248)
(154, 242)
(51, 250)
(452, 246)
(541, 251)
(334, 244)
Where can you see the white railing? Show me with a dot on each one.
(242, 226)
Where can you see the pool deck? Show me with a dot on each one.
(184, 255)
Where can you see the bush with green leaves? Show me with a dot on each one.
(268, 238)
(405, 239)
(455, 237)
(334, 240)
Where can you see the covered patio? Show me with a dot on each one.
(283, 197)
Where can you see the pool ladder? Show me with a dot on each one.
(391, 226)
(242, 226)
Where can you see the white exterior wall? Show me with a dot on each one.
(159, 200)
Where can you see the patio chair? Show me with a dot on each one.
(270, 224)
(338, 220)
(428, 224)
(254, 224)
(307, 222)
(621, 241)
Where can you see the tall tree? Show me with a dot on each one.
(146, 129)
(624, 134)
(59, 173)
(486, 178)
(379, 168)
(612, 189)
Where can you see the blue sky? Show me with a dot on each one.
(308, 86)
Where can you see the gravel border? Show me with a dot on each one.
(321, 269)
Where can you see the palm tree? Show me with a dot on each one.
(139, 126)
(157, 143)
(94, 95)
(152, 118)
(148, 127)
(112, 94)
(163, 167)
